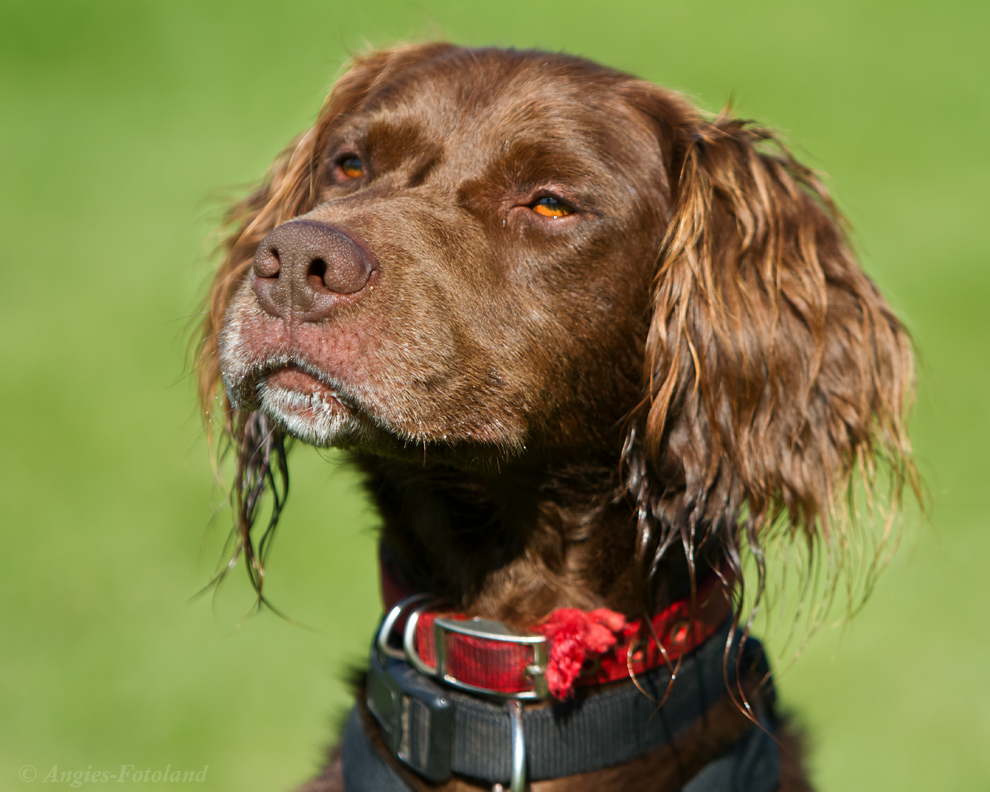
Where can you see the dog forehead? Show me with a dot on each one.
(481, 83)
(481, 108)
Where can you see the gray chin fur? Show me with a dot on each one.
(309, 417)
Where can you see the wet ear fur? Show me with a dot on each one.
(773, 364)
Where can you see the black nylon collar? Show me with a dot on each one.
(609, 728)
(751, 765)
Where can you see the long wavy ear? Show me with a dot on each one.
(288, 190)
(774, 367)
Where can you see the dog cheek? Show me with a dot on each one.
(235, 357)
(244, 323)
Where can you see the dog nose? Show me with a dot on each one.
(304, 268)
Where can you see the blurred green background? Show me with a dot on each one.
(126, 126)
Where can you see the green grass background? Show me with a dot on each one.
(124, 126)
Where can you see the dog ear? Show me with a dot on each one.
(774, 367)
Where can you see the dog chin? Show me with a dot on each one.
(314, 417)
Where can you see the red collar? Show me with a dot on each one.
(569, 648)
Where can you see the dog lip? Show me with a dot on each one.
(296, 379)
(305, 405)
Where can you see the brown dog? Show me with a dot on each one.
(588, 346)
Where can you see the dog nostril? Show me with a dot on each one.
(267, 264)
(317, 274)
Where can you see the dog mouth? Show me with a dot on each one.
(305, 405)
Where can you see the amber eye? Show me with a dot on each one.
(548, 206)
(352, 167)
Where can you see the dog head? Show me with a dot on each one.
(491, 259)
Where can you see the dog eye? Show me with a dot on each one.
(351, 167)
(548, 206)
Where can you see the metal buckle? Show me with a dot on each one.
(415, 714)
(489, 631)
(483, 629)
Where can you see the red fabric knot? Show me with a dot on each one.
(573, 635)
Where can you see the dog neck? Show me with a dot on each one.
(517, 545)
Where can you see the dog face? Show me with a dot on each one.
(471, 263)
